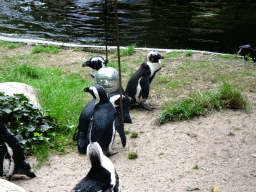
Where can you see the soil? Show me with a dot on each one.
(217, 150)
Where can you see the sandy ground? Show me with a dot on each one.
(222, 144)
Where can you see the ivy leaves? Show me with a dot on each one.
(29, 123)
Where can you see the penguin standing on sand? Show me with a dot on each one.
(143, 79)
(102, 175)
(104, 121)
(86, 117)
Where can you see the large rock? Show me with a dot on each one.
(7, 186)
(11, 88)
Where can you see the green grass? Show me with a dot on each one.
(10, 45)
(134, 134)
(126, 52)
(132, 155)
(60, 94)
(115, 65)
(224, 97)
(225, 56)
(189, 53)
(45, 49)
(174, 54)
(195, 167)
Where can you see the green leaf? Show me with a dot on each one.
(36, 134)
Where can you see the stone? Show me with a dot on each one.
(7, 186)
(11, 88)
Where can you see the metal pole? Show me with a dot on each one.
(105, 11)
(119, 65)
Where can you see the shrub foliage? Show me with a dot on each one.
(26, 121)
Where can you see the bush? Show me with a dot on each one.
(26, 121)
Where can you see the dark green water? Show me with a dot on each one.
(218, 25)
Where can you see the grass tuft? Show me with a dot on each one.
(132, 155)
(134, 135)
(10, 45)
(45, 49)
(224, 97)
(126, 52)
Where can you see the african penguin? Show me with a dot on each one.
(13, 160)
(143, 79)
(102, 175)
(103, 123)
(95, 63)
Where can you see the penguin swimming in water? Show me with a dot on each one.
(104, 122)
(97, 62)
(12, 158)
(143, 79)
(102, 175)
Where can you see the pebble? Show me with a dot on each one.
(254, 155)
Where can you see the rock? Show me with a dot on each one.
(7, 186)
(10, 88)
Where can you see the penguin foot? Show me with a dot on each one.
(111, 154)
(147, 106)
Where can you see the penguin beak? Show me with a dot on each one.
(86, 64)
(161, 57)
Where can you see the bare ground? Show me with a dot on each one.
(222, 144)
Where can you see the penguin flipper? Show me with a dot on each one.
(144, 83)
(120, 130)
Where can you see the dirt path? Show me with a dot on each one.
(221, 144)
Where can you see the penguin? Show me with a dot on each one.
(102, 175)
(103, 123)
(97, 62)
(143, 79)
(13, 160)
(85, 119)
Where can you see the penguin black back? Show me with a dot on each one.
(102, 175)
(104, 121)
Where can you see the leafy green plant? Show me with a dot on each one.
(46, 49)
(132, 155)
(26, 121)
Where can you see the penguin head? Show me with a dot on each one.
(94, 153)
(154, 57)
(98, 93)
(25, 169)
(95, 62)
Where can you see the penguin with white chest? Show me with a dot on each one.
(12, 158)
(102, 175)
(143, 79)
(96, 63)
(104, 121)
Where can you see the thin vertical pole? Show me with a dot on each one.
(119, 65)
(105, 11)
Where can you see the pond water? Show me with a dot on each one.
(217, 25)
